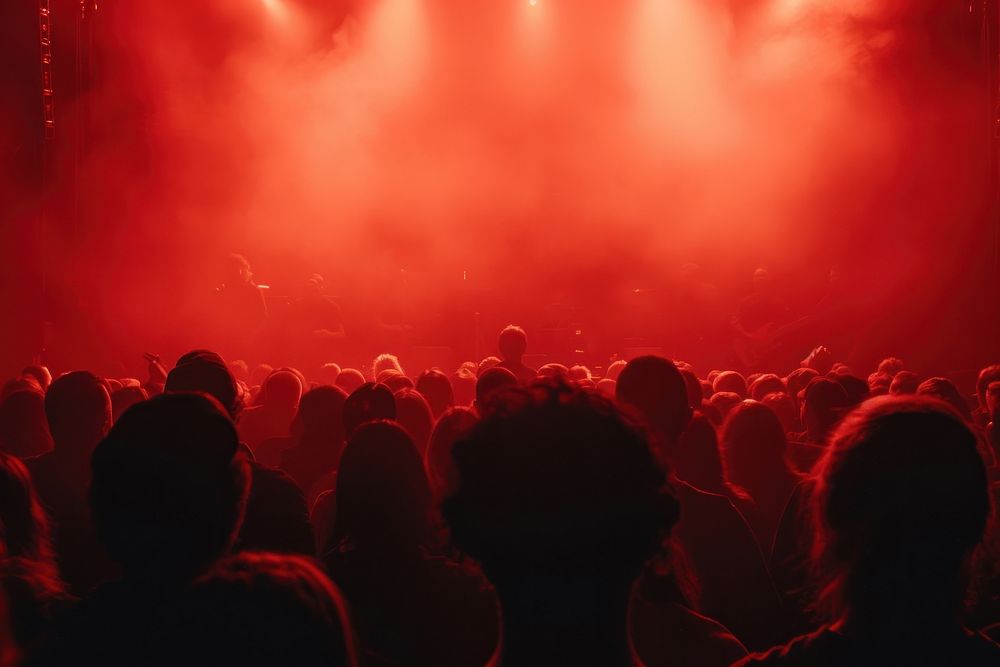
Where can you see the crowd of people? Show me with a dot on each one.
(498, 514)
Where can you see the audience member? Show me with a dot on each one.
(263, 610)
(78, 409)
(723, 555)
(277, 518)
(754, 454)
(272, 416)
(434, 386)
(369, 402)
(900, 502)
(29, 574)
(168, 494)
(590, 510)
(490, 382)
(317, 439)
(410, 608)
(513, 343)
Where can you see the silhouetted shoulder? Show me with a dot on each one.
(827, 648)
(818, 649)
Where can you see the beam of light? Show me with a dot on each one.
(277, 9)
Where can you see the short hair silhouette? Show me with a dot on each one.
(436, 388)
(264, 610)
(512, 343)
(205, 371)
(654, 388)
(78, 408)
(321, 414)
(384, 362)
(904, 382)
(768, 383)
(369, 402)
(730, 381)
(491, 381)
(350, 379)
(945, 390)
(169, 485)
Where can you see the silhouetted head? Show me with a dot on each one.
(904, 382)
(320, 419)
(512, 343)
(987, 376)
(453, 425)
(765, 384)
(490, 382)
(397, 382)
(40, 373)
(857, 389)
(900, 501)
(654, 389)
(580, 373)
(369, 402)
(890, 366)
(785, 408)
(615, 369)
(414, 415)
(350, 379)
(556, 482)
(205, 372)
(823, 405)
(236, 269)
(383, 497)
(436, 388)
(24, 527)
(124, 398)
(730, 381)
(78, 409)
(723, 402)
(753, 446)
(264, 610)
(486, 364)
(607, 388)
(281, 391)
(385, 362)
(169, 485)
(799, 379)
(553, 371)
(24, 430)
(945, 390)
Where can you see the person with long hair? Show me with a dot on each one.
(35, 593)
(409, 608)
(899, 504)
